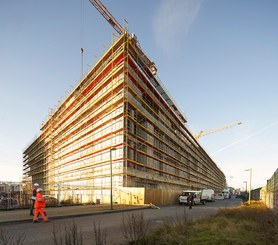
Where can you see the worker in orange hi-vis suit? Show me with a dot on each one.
(39, 207)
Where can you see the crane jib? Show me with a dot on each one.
(107, 15)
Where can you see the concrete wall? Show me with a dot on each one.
(269, 193)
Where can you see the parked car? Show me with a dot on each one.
(6, 203)
(51, 201)
(197, 197)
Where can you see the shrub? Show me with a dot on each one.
(135, 227)
(99, 234)
(71, 236)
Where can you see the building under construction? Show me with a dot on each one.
(119, 124)
(119, 115)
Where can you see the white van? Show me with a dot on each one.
(208, 195)
(226, 193)
(197, 197)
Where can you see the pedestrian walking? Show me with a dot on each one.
(33, 197)
(190, 200)
(39, 207)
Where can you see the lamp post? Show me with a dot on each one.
(111, 175)
(250, 180)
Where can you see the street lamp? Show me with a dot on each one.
(111, 185)
(250, 171)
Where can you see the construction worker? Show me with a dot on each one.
(190, 200)
(33, 197)
(39, 207)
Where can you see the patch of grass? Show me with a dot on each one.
(221, 230)
(247, 224)
(175, 233)
(166, 235)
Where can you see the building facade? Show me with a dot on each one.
(119, 123)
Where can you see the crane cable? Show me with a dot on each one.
(82, 35)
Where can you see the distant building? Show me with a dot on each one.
(8, 186)
(119, 116)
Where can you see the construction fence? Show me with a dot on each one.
(121, 195)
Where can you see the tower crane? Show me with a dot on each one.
(203, 133)
(116, 25)
(108, 16)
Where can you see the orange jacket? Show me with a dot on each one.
(39, 203)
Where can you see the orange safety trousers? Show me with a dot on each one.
(40, 211)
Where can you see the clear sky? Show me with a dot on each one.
(218, 60)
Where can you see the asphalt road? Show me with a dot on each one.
(112, 223)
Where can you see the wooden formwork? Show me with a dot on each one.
(161, 196)
(129, 195)
(139, 196)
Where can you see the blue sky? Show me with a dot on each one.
(218, 60)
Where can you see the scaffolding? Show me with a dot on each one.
(119, 104)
